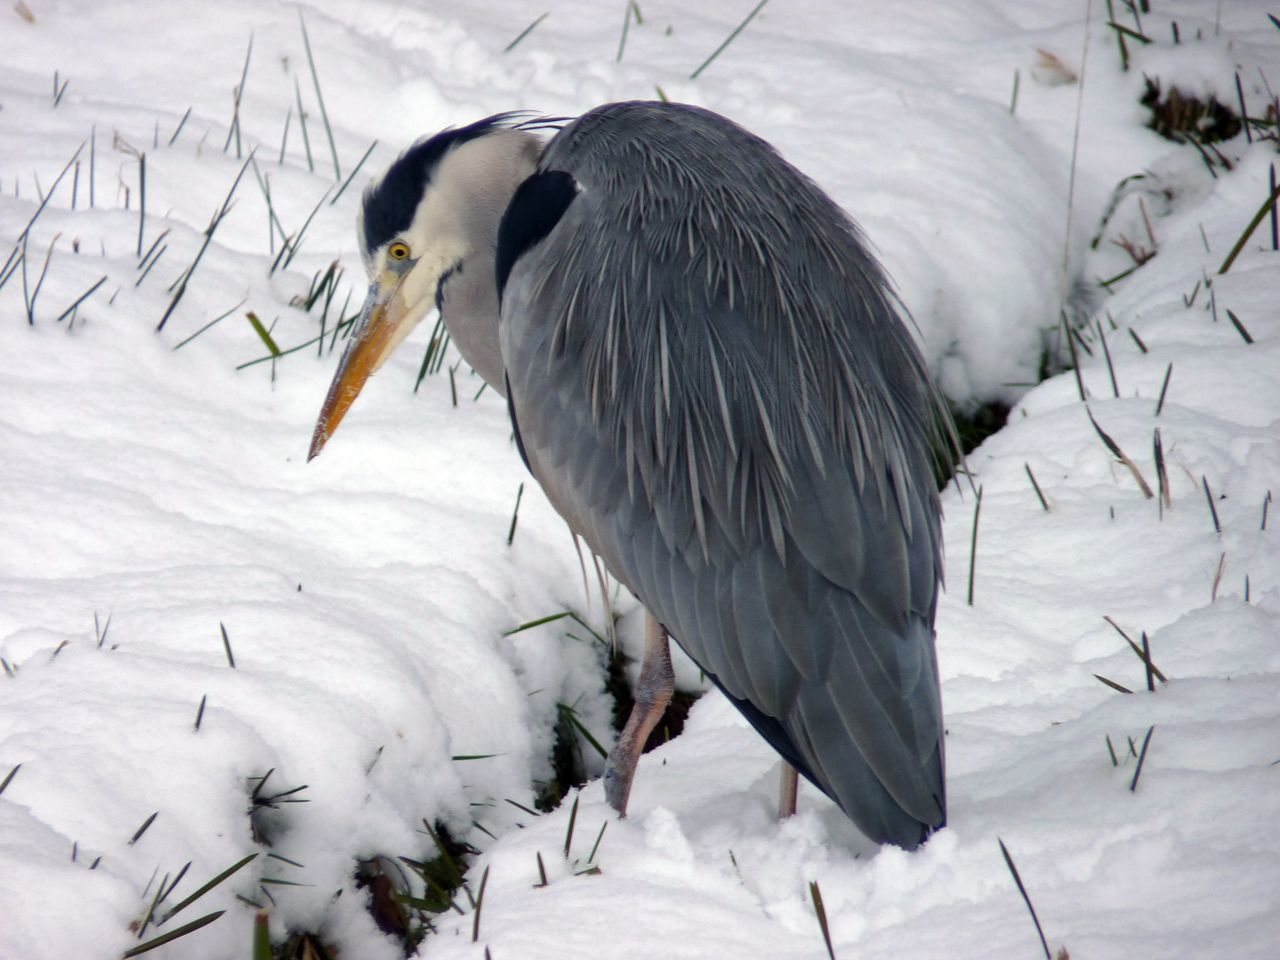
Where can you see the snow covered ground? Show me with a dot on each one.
(154, 486)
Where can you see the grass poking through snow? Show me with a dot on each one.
(352, 175)
(1164, 387)
(1142, 757)
(1268, 205)
(179, 286)
(568, 833)
(1121, 456)
(515, 515)
(1119, 687)
(8, 779)
(973, 546)
(1017, 879)
(172, 935)
(1143, 653)
(1213, 509)
(728, 40)
(226, 645)
(315, 79)
(475, 925)
(820, 910)
(524, 33)
(1036, 486)
(146, 824)
(1240, 328)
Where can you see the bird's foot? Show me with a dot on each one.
(618, 775)
(653, 693)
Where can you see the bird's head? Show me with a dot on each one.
(427, 229)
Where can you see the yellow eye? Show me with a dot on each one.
(398, 251)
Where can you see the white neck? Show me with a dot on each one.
(477, 182)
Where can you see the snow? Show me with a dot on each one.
(366, 596)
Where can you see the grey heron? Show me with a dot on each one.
(710, 377)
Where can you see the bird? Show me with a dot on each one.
(716, 386)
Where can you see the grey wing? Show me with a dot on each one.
(713, 387)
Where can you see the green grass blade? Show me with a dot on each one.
(143, 829)
(172, 935)
(523, 33)
(81, 299)
(1267, 204)
(9, 777)
(220, 317)
(1017, 879)
(596, 846)
(1118, 687)
(973, 544)
(302, 122)
(1142, 756)
(266, 338)
(475, 923)
(261, 936)
(178, 129)
(183, 904)
(820, 909)
(573, 819)
(324, 114)
(536, 623)
(352, 175)
(571, 717)
(728, 40)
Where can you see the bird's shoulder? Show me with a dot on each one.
(729, 342)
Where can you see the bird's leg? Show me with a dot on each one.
(653, 693)
(788, 788)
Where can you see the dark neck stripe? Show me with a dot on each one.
(535, 209)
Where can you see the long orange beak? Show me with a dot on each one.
(383, 323)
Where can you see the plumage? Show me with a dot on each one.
(710, 378)
(538, 204)
(781, 430)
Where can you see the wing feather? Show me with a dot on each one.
(715, 388)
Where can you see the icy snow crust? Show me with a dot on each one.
(365, 596)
